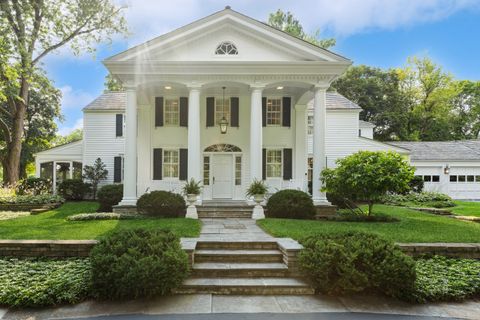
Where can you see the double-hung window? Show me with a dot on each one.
(274, 163)
(172, 112)
(222, 109)
(170, 164)
(274, 112)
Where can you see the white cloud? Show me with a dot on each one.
(65, 130)
(74, 99)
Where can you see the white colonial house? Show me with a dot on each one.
(224, 100)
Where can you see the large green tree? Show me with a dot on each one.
(32, 29)
(466, 110)
(286, 22)
(112, 84)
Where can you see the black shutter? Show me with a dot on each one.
(234, 110)
(264, 163)
(183, 164)
(158, 111)
(119, 125)
(183, 112)
(157, 164)
(264, 112)
(286, 111)
(117, 169)
(210, 111)
(287, 164)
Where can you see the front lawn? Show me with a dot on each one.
(414, 226)
(53, 225)
(464, 208)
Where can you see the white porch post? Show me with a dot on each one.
(130, 158)
(301, 153)
(319, 135)
(194, 153)
(256, 138)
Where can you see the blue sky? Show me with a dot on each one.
(379, 33)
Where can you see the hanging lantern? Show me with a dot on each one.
(223, 121)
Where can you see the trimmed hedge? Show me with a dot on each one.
(34, 186)
(74, 189)
(26, 199)
(424, 199)
(104, 216)
(43, 282)
(162, 204)
(293, 204)
(109, 196)
(132, 264)
(356, 262)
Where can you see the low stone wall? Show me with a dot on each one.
(46, 248)
(454, 250)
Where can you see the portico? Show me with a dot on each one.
(177, 98)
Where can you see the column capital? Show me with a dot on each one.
(321, 87)
(194, 86)
(257, 87)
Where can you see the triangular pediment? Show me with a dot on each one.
(254, 40)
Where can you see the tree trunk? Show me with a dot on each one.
(14, 148)
(370, 208)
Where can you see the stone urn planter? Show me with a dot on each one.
(191, 190)
(257, 191)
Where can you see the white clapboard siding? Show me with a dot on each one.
(100, 140)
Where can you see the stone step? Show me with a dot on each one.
(238, 270)
(253, 286)
(237, 245)
(224, 215)
(220, 255)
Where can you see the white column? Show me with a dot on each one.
(130, 157)
(301, 153)
(194, 152)
(256, 138)
(319, 135)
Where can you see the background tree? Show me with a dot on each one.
(466, 110)
(73, 136)
(286, 22)
(95, 174)
(368, 176)
(112, 84)
(33, 29)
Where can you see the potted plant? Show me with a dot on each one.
(257, 190)
(191, 189)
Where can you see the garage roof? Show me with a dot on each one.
(441, 150)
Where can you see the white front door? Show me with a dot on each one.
(222, 182)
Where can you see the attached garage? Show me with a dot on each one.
(450, 167)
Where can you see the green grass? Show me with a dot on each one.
(414, 226)
(465, 208)
(52, 225)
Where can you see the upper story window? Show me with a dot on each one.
(172, 112)
(222, 109)
(226, 48)
(274, 112)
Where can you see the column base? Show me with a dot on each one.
(321, 202)
(128, 202)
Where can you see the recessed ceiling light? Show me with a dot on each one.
(279, 88)
(168, 87)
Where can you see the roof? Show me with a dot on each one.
(115, 100)
(226, 13)
(365, 124)
(69, 146)
(462, 150)
(336, 101)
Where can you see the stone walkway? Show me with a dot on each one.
(232, 230)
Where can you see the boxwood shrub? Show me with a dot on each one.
(355, 262)
(74, 189)
(163, 204)
(132, 264)
(424, 199)
(34, 186)
(109, 196)
(294, 204)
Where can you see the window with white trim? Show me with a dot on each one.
(172, 112)
(274, 112)
(222, 109)
(206, 171)
(274, 163)
(226, 48)
(171, 164)
(238, 170)
(310, 124)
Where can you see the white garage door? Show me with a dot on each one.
(464, 183)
